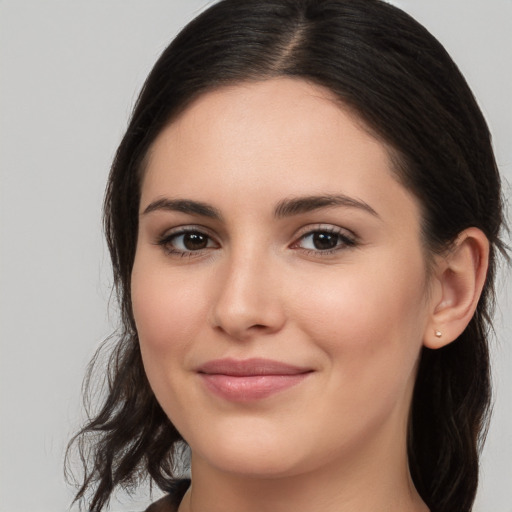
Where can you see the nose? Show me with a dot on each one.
(249, 298)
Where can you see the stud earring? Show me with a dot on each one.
(438, 334)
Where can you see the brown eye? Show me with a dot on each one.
(195, 241)
(187, 242)
(325, 241)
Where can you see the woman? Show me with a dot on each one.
(304, 219)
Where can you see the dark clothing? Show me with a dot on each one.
(171, 502)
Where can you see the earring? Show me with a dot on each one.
(438, 334)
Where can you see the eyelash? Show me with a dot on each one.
(344, 241)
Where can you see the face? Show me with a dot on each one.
(279, 285)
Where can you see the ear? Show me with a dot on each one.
(457, 284)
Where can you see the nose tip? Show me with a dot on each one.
(248, 304)
(241, 319)
(242, 324)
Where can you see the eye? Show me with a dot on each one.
(325, 240)
(186, 241)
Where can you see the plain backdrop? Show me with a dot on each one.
(70, 71)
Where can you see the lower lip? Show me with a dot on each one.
(249, 388)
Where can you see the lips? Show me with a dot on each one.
(250, 379)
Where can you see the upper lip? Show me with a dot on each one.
(250, 367)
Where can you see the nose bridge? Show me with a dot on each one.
(248, 295)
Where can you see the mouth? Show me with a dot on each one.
(250, 379)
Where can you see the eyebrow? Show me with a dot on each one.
(285, 208)
(296, 206)
(184, 206)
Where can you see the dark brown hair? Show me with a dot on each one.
(401, 82)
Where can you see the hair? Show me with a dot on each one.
(402, 84)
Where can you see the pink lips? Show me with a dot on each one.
(250, 379)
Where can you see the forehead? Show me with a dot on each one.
(280, 137)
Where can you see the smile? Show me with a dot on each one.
(250, 379)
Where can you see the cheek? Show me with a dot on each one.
(168, 312)
(369, 321)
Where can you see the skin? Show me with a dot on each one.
(356, 316)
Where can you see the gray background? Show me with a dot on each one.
(69, 74)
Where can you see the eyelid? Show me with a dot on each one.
(329, 228)
(187, 228)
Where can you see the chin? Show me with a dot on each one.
(254, 465)
(251, 452)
